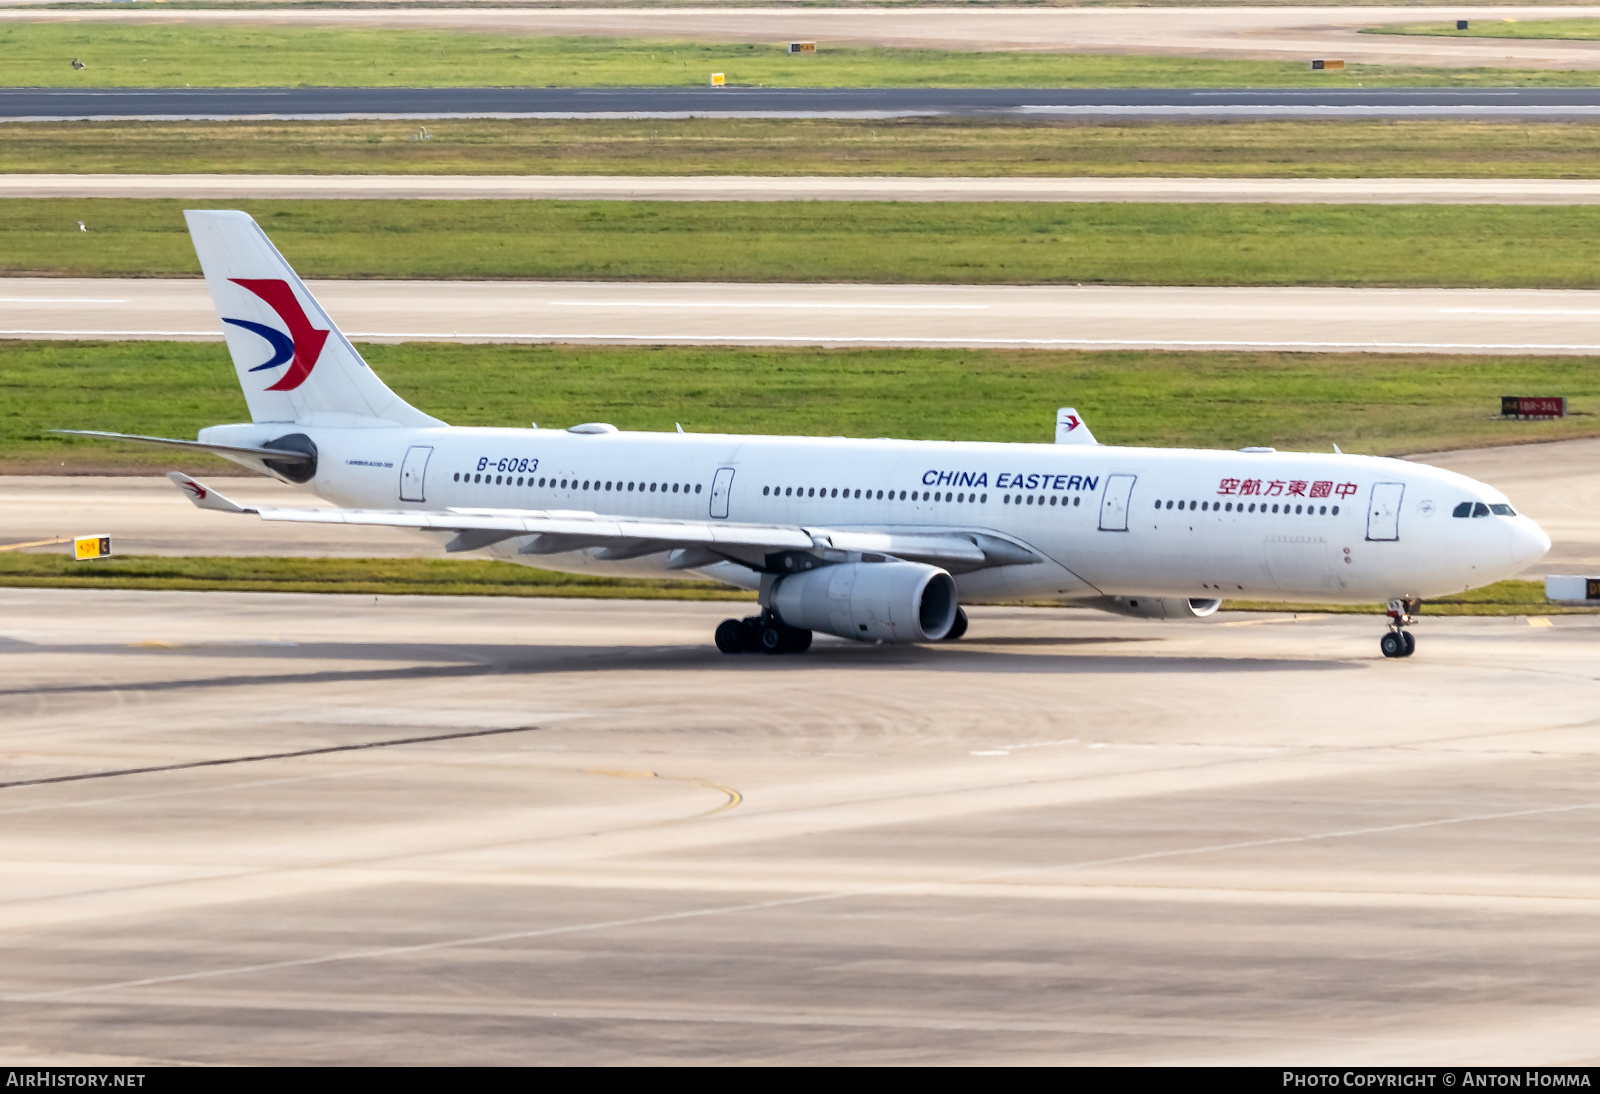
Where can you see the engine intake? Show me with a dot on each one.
(1156, 607)
(869, 601)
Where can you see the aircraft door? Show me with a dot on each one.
(413, 470)
(721, 487)
(1114, 503)
(1383, 511)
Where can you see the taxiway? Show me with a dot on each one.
(426, 103)
(1046, 317)
(290, 829)
(1331, 191)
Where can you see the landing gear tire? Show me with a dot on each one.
(958, 628)
(731, 636)
(1399, 642)
(778, 637)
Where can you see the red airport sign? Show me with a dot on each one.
(1533, 406)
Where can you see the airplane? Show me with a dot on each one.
(877, 541)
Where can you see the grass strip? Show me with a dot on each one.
(367, 576)
(145, 55)
(1501, 598)
(474, 577)
(1481, 246)
(1581, 30)
(904, 147)
(1370, 403)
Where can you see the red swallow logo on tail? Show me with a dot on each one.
(306, 339)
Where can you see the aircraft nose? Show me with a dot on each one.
(1528, 542)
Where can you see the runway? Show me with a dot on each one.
(1062, 317)
(1261, 33)
(426, 104)
(1558, 484)
(441, 831)
(1361, 191)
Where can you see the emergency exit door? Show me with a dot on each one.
(1383, 511)
(1114, 503)
(414, 472)
(721, 487)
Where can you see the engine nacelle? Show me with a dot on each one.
(1156, 607)
(869, 601)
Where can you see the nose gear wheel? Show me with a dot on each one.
(1397, 641)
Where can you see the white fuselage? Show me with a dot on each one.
(1108, 520)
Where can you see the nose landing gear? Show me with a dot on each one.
(764, 633)
(1397, 641)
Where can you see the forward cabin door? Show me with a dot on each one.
(1114, 503)
(721, 487)
(1383, 512)
(413, 471)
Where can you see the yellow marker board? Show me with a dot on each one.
(802, 47)
(718, 79)
(87, 547)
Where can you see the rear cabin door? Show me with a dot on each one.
(413, 471)
(1114, 503)
(721, 487)
(1383, 511)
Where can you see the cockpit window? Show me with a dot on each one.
(1501, 509)
(1462, 510)
(1479, 509)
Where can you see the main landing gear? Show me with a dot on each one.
(764, 633)
(1397, 641)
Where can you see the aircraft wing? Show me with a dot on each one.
(698, 542)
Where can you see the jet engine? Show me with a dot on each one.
(869, 601)
(1156, 607)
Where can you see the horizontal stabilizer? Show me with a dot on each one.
(203, 496)
(277, 455)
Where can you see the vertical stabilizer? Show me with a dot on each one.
(1070, 428)
(293, 363)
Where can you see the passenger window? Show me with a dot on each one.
(1462, 510)
(1480, 510)
(697, 488)
(1501, 509)
(1075, 502)
(765, 490)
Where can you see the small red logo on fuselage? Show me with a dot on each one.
(308, 340)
